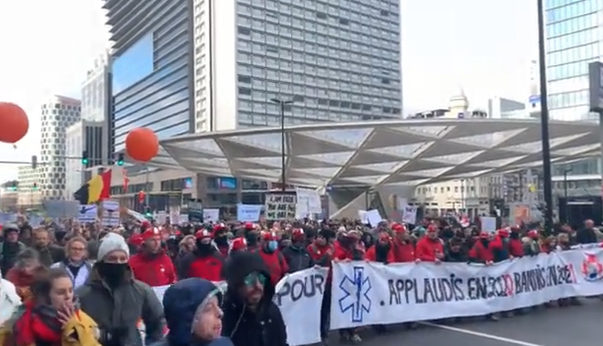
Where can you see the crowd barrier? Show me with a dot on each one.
(370, 293)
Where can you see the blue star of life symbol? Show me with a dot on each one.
(356, 298)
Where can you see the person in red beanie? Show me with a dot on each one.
(430, 248)
(402, 245)
(205, 262)
(251, 236)
(152, 265)
(382, 250)
(221, 238)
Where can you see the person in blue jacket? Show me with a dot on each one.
(193, 314)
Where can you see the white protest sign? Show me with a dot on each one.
(211, 215)
(409, 214)
(88, 213)
(248, 212)
(299, 297)
(369, 293)
(280, 206)
(110, 213)
(308, 203)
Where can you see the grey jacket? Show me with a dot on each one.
(118, 311)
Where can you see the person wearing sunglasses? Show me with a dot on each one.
(251, 318)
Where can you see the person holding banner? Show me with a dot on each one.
(430, 247)
(251, 318)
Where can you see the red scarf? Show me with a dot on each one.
(34, 326)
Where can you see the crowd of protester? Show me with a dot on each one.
(85, 285)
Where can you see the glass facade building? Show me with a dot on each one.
(574, 39)
(151, 79)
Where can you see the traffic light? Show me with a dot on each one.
(147, 213)
(85, 158)
(120, 159)
(34, 162)
(35, 186)
(13, 186)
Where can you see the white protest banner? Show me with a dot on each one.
(110, 216)
(248, 212)
(369, 293)
(280, 206)
(299, 297)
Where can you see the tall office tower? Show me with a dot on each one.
(58, 113)
(336, 60)
(83, 136)
(573, 32)
(151, 67)
(95, 103)
(573, 38)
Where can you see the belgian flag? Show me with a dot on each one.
(95, 190)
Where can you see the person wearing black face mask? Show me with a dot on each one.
(116, 301)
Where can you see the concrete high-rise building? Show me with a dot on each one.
(58, 113)
(96, 101)
(83, 136)
(30, 188)
(200, 65)
(335, 61)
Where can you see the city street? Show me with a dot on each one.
(547, 327)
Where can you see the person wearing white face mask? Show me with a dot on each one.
(9, 299)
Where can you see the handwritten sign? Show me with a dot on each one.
(280, 206)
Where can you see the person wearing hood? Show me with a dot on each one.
(10, 247)
(52, 317)
(205, 262)
(152, 265)
(117, 301)
(193, 314)
(297, 256)
(430, 248)
(251, 318)
(9, 299)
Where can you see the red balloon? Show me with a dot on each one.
(142, 144)
(14, 123)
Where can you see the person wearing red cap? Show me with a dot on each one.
(515, 243)
(382, 250)
(531, 243)
(221, 238)
(205, 262)
(403, 247)
(251, 236)
(500, 246)
(296, 254)
(482, 252)
(152, 265)
(273, 259)
(430, 247)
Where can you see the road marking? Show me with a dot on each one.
(481, 335)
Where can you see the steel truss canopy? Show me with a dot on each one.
(384, 153)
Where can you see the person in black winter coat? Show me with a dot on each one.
(454, 251)
(297, 256)
(251, 318)
(587, 235)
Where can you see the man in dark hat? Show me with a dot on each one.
(10, 247)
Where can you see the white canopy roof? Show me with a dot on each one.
(404, 152)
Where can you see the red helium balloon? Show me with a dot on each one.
(14, 123)
(142, 144)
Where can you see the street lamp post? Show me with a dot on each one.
(566, 207)
(544, 123)
(282, 104)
